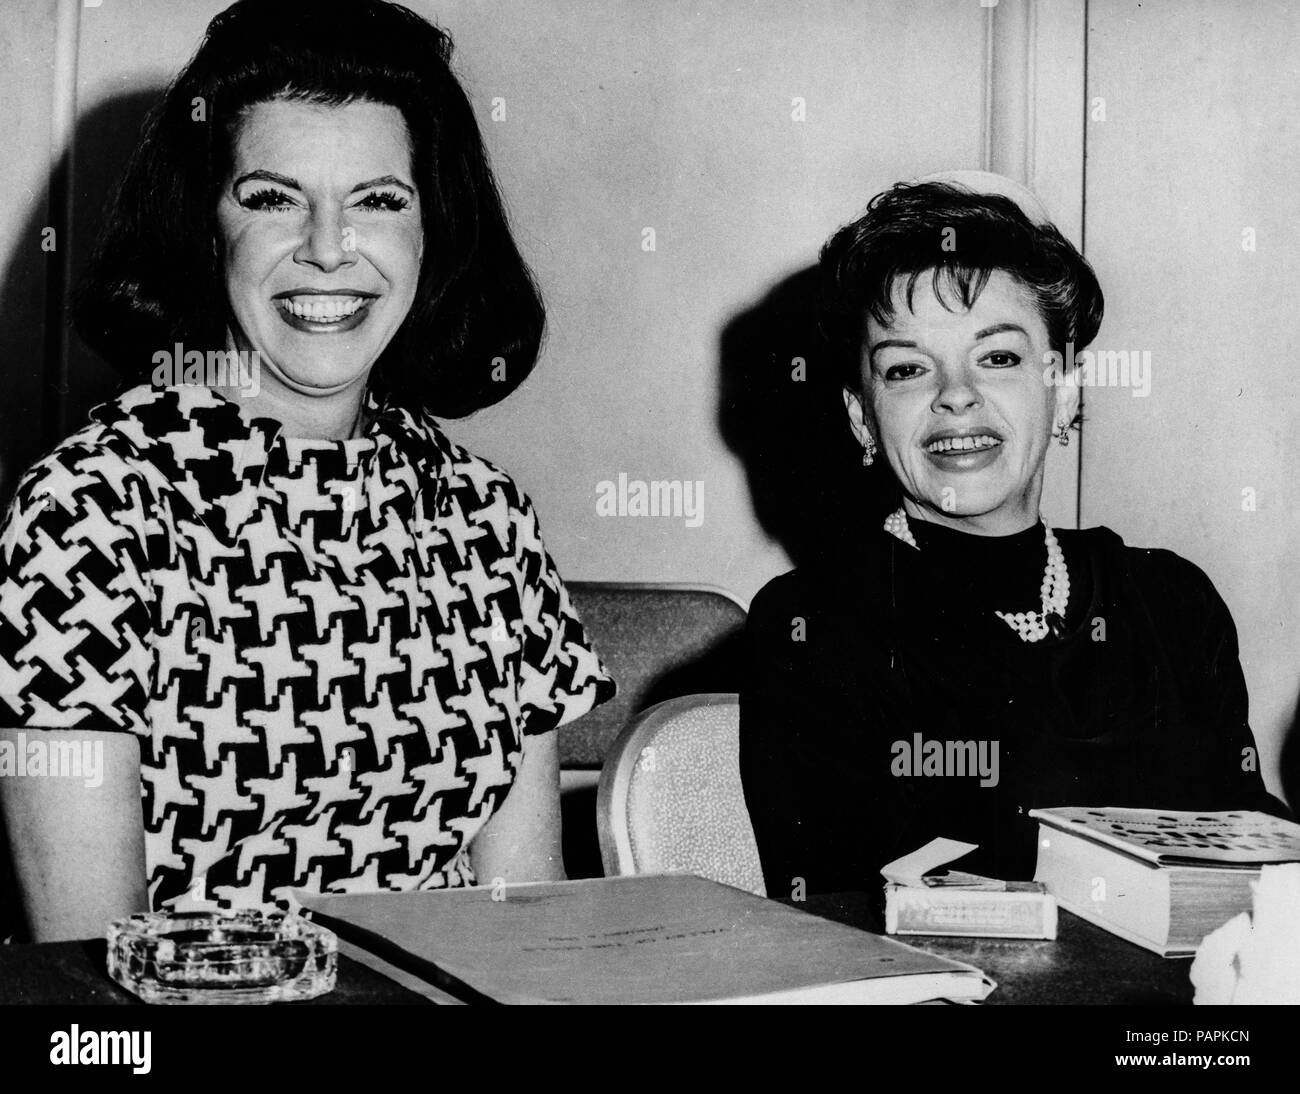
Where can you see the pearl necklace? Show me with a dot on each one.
(1030, 626)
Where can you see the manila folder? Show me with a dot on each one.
(669, 938)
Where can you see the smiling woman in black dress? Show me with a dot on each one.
(968, 663)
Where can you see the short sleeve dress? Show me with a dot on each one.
(333, 653)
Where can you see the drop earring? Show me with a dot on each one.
(1063, 435)
(869, 451)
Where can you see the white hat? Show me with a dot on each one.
(986, 182)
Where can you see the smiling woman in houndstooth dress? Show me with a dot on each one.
(320, 644)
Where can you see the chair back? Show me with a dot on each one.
(659, 641)
(670, 796)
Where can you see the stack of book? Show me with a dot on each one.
(1159, 878)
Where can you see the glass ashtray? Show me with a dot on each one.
(222, 957)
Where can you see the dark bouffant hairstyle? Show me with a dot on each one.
(155, 277)
(905, 233)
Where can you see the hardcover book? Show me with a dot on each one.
(1159, 878)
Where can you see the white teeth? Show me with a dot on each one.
(321, 309)
(962, 444)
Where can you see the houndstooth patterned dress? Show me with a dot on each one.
(332, 651)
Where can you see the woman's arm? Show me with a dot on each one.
(78, 848)
(819, 816)
(1238, 760)
(83, 664)
(560, 679)
(521, 842)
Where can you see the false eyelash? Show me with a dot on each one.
(265, 199)
(389, 199)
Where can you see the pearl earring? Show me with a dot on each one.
(1063, 435)
(868, 451)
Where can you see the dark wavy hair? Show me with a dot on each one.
(905, 233)
(155, 277)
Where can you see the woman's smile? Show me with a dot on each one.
(971, 451)
(317, 312)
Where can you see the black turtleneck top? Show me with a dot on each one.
(884, 704)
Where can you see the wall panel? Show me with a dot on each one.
(1198, 145)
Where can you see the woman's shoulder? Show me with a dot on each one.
(794, 591)
(91, 493)
(1155, 562)
(479, 493)
(466, 476)
(1165, 578)
(825, 605)
(121, 443)
(95, 460)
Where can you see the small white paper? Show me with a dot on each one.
(910, 869)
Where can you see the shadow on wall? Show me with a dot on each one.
(781, 411)
(39, 409)
(1290, 763)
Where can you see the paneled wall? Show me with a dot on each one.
(1193, 224)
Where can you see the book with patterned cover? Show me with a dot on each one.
(1173, 838)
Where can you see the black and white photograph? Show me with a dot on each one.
(642, 502)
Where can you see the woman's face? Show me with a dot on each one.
(958, 404)
(321, 239)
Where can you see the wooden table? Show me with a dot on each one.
(1084, 965)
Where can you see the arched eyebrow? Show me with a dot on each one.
(384, 180)
(980, 335)
(1000, 328)
(885, 343)
(266, 176)
(294, 184)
